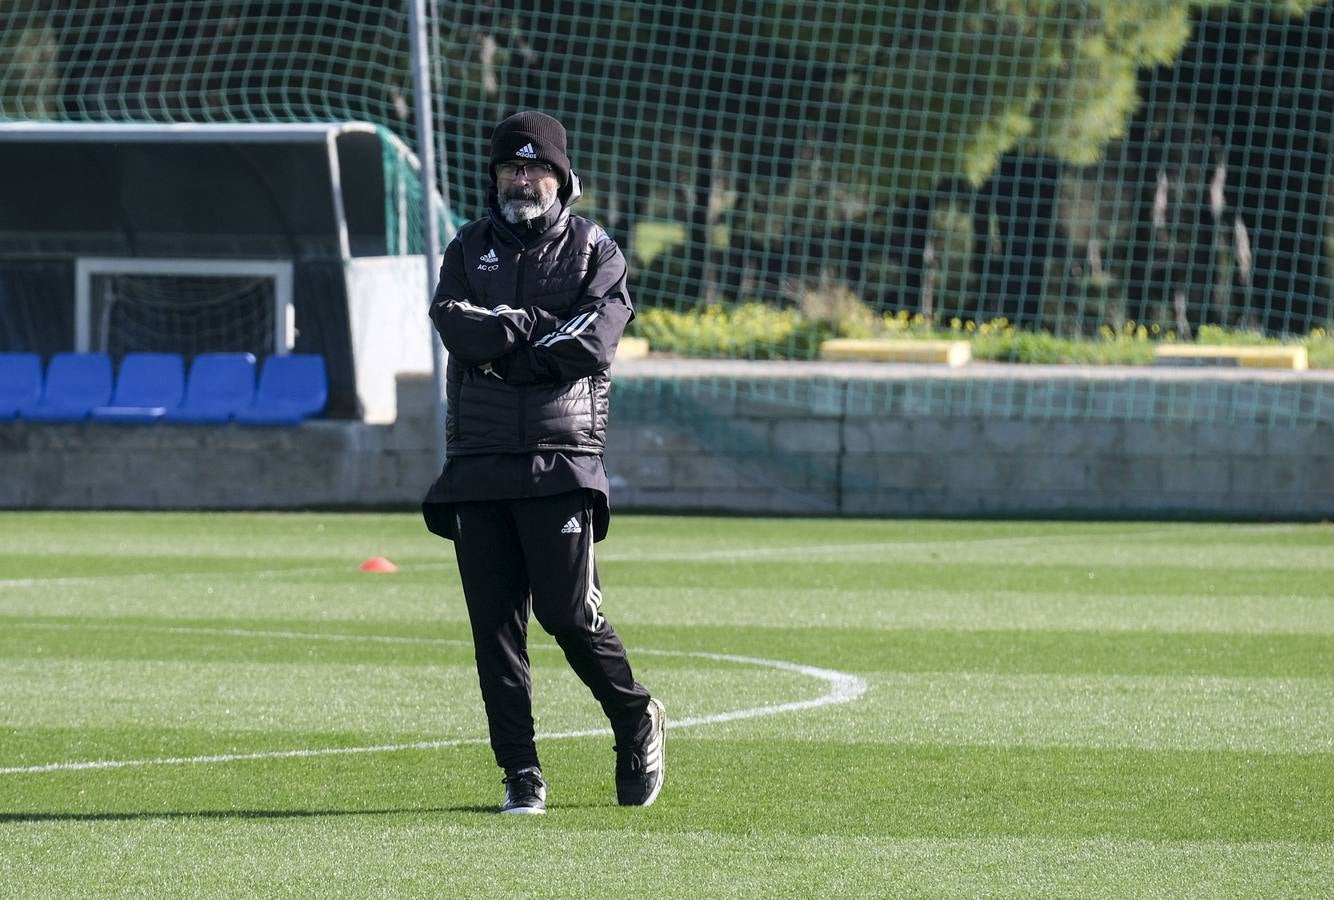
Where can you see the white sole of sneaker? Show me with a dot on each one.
(523, 811)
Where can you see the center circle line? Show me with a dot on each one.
(841, 687)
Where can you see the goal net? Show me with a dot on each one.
(186, 306)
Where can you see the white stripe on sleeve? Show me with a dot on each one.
(571, 329)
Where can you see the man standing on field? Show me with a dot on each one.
(531, 304)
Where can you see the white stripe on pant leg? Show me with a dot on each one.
(593, 599)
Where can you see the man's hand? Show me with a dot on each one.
(477, 334)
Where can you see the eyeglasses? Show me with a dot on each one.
(532, 170)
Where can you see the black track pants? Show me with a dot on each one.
(537, 553)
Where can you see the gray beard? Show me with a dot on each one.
(522, 210)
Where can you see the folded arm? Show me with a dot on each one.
(475, 334)
(583, 344)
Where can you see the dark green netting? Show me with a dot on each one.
(1156, 169)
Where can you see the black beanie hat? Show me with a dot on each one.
(531, 135)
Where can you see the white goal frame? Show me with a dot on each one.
(85, 267)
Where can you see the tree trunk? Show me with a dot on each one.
(1023, 194)
(701, 272)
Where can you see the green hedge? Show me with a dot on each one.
(758, 331)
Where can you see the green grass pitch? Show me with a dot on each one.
(860, 708)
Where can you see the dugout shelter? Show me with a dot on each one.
(194, 238)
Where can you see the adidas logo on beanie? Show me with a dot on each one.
(531, 135)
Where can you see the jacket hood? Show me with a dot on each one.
(572, 190)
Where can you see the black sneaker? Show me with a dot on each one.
(525, 793)
(639, 768)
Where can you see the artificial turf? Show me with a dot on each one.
(1039, 709)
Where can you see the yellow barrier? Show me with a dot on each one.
(1285, 357)
(632, 348)
(952, 353)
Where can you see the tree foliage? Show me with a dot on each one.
(785, 139)
(939, 91)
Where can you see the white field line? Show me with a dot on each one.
(330, 569)
(345, 568)
(840, 688)
(242, 632)
(781, 552)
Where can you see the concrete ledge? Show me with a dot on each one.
(950, 353)
(714, 370)
(864, 438)
(1285, 357)
(318, 464)
(821, 438)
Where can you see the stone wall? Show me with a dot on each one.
(789, 438)
(325, 463)
(877, 439)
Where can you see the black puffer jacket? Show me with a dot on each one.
(531, 316)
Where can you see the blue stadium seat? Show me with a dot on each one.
(291, 389)
(147, 386)
(20, 382)
(75, 383)
(220, 385)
